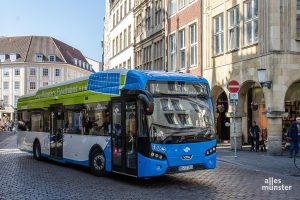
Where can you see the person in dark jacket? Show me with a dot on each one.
(293, 137)
(254, 134)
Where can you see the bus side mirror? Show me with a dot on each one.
(148, 104)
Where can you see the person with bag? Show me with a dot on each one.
(293, 137)
(254, 133)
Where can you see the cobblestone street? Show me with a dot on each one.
(24, 178)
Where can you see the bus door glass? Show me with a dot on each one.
(131, 134)
(124, 136)
(56, 131)
(117, 146)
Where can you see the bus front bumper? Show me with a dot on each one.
(149, 167)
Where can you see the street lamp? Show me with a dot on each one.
(262, 78)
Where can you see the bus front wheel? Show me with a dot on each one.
(97, 163)
(37, 151)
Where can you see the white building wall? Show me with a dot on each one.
(126, 55)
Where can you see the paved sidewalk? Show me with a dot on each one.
(261, 161)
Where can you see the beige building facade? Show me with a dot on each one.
(242, 37)
(149, 34)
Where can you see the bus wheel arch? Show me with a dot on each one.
(37, 150)
(97, 161)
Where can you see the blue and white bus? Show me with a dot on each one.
(138, 123)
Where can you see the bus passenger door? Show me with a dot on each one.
(56, 131)
(124, 136)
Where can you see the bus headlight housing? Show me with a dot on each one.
(157, 156)
(211, 151)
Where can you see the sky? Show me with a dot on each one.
(78, 23)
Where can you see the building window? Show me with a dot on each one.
(45, 83)
(147, 57)
(129, 5)
(158, 55)
(172, 7)
(45, 72)
(251, 22)
(17, 85)
(113, 47)
(129, 34)
(5, 101)
(5, 85)
(52, 58)
(182, 48)
(117, 45)
(148, 18)
(39, 57)
(157, 12)
(2, 57)
(17, 72)
(172, 52)
(129, 63)
(32, 72)
(13, 57)
(298, 20)
(125, 7)
(117, 17)
(114, 20)
(75, 61)
(6, 72)
(32, 85)
(193, 45)
(139, 24)
(182, 3)
(16, 98)
(125, 38)
(124, 65)
(233, 28)
(121, 12)
(121, 43)
(218, 34)
(57, 72)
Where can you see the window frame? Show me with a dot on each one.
(235, 27)
(5, 85)
(60, 72)
(19, 85)
(218, 34)
(172, 51)
(182, 48)
(31, 69)
(193, 45)
(32, 83)
(251, 21)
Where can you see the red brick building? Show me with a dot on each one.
(183, 36)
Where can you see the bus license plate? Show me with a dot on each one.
(185, 168)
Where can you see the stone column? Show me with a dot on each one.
(274, 143)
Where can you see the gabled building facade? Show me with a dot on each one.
(30, 62)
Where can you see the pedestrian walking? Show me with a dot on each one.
(254, 135)
(293, 137)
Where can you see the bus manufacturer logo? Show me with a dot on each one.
(187, 157)
(186, 149)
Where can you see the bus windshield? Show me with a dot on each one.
(180, 117)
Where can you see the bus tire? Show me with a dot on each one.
(37, 151)
(97, 163)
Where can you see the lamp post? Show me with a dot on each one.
(262, 78)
